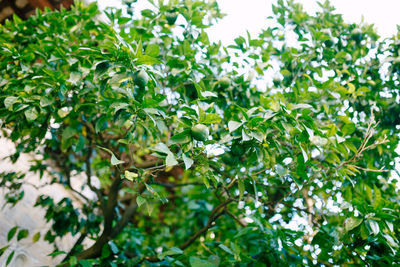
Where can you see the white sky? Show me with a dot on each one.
(251, 15)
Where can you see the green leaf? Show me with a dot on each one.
(368, 192)
(81, 143)
(348, 129)
(75, 77)
(45, 101)
(286, 73)
(85, 263)
(188, 161)
(130, 175)
(152, 50)
(300, 106)
(10, 257)
(364, 233)
(105, 252)
(274, 105)
(31, 114)
(305, 156)
(374, 226)
(199, 90)
(114, 159)
(257, 135)
(226, 249)
(170, 252)
(140, 200)
(211, 118)
(68, 133)
(197, 262)
(171, 160)
(280, 170)
(62, 113)
(23, 233)
(139, 49)
(208, 94)
(352, 223)
(36, 237)
(17, 20)
(348, 193)
(352, 88)
(378, 198)
(11, 233)
(9, 101)
(118, 79)
(56, 253)
(113, 247)
(101, 124)
(233, 125)
(391, 241)
(161, 148)
(3, 249)
(146, 60)
(73, 261)
(181, 138)
(150, 208)
(101, 68)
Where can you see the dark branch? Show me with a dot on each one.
(235, 218)
(74, 247)
(96, 248)
(209, 224)
(89, 178)
(214, 215)
(130, 210)
(176, 185)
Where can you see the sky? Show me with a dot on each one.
(251, 15)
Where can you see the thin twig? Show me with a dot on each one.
(176, 185)
(235, 218)
(89, 177)
(367, 169)
(363, 146)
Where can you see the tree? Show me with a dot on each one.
(208, 155)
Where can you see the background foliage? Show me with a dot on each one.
(262, 153)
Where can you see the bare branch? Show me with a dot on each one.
(363, 146)
(74, 247)
(367, 169)
(176, 185)
(235, 218)
(215, 213)
(130, 210)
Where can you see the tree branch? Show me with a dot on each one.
(89, 178)
(201, 231)
(176, 185)
(74, 247)
(130, 210)
(214, 215)
(95, 249)
(235, 218)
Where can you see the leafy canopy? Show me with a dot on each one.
(266, 152)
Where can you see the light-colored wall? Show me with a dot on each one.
(24, 215)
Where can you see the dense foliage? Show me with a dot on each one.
(276, 150)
